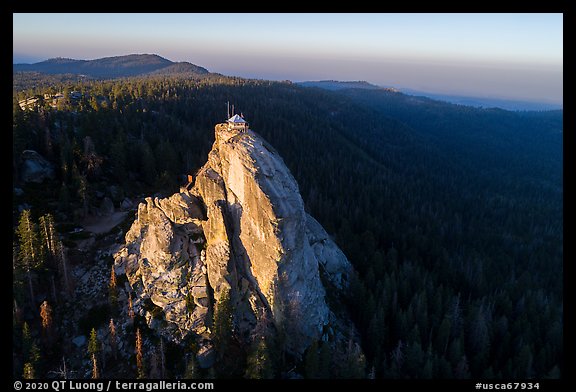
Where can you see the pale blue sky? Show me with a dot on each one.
(498, 55)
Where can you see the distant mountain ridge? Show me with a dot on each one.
(487, 102)
(339, 85)
(112, 67)
(478, 102)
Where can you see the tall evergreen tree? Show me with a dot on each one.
(26, 341)
(462, 370)
(30, 252)
(113, 339)
(29, 373)
(63, 267)
(191, 371)
(311, 361)
(154, 366)
(112, 289)
(139, 355)
(93, 350)
(95, 369)
(83, 193)
(356, 362)
(222, 329)
(90, 158)
(162, 358)
(325, 361)
(260, 363)
(46, 318)
(130, 308)
(397, 360)
(48, 233)
(118, 157)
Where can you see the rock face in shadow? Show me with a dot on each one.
(241, 227)
(35, 168)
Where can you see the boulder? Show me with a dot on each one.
(106, 207)
(79, 341)
(35, 168)
(126, 204)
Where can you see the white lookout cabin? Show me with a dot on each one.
(237, 123)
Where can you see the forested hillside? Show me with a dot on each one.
(451, 215)
(111, 67)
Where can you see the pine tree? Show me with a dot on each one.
(46, 317)
(325, 361)
(19, 286)
(16, 313)
(157, 362)
(443, 336)
(30, 254)
(63, 266)
(93, 349)
(427, 369)
(83, 193)
(112, 278)
(443, 369)
(356, 363)
(191, 371)
(34, 356)
(29, 373)
(63, 371)
(376, 330)
(93, 343)
(372, 373)
(45, 233)
(30, 351)
(162, 358)
(118, 154)
(147, 163)
(259, 363)
(311, 362)
(26, 340)
(455, 318)
(112, 289)
(53, 288)
(554, 373)
(455, 351)
(479, 340)
(397, 357)
(524, 363)
(462, 370)
(414, 360)
(154, 366)
(64, 193)
(222, 328)
(130, 309)
(90, 157)
(139, 359)
(95, 370)
(113, 340)
(48, 234)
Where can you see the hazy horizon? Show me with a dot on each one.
(506, 56)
